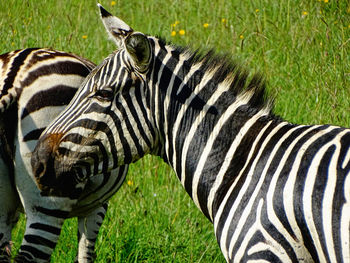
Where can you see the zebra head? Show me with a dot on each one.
(96, 132)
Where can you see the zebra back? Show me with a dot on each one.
(21, 67)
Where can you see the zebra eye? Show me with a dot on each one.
(104, 94)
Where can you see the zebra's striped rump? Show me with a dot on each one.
(275, 191)
(35, 85)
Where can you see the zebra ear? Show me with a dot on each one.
(139, 49)
(117, 29)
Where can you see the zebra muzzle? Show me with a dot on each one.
(50, 176)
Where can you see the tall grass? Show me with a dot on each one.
(301, 47)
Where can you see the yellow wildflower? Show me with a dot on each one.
(113, 3)
(241, 36)
(130, 183)
(177, 22)
(257, 10)
(173, 33)
(326, 1)
(205, 25)
(305, 13)
(182, 32)
(224, 20)
(84, 36)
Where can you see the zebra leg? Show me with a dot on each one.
(9, 204)
(87, 234)
(40, 238)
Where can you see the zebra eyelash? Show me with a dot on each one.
(104, 94)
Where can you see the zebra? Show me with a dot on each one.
(274, 191)
(35, 86)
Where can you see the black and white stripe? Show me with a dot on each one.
(275, 191)
(35, 85)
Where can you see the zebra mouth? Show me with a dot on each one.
(64, 185)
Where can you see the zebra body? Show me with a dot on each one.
(36, 84)
(275, 191)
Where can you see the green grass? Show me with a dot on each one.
(301, 47)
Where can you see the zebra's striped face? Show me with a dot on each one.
(91, 135)
(99, 130)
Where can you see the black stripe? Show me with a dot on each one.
(16, 64)
(232, 198)
(139, 99)
(300, 185)
(33, 135)
(94, 156)
(47, 228)
(283, 177)
(136, 115)
(52, 212)
(98, 126)
(318, 196)
(131, 130)
(62, 67)
(59, 95)
(264, 255)
(33, 239)
(35, 252)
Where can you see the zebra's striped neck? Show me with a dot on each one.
(199, 102)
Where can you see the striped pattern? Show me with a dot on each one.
(35, 85)
(275, 191)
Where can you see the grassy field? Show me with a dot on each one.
(302, 47)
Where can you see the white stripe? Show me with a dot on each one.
(327, 201)
(183, 110)
(230, 153)
(346, 159)
(270, 244)
(299, 250)
(133, 121)
(222, 87)
(242, 191)
(156, 99)
(345, 221)
(170, 88)
(328, 198)
(222, 205)
(248, 207)
(194, 69)
(288, 190)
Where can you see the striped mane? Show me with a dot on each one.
(221, 69)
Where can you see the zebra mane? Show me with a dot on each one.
(225, 69)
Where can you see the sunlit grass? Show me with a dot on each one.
(301, 47)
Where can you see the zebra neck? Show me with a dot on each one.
(206, 115)
(201, 145)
